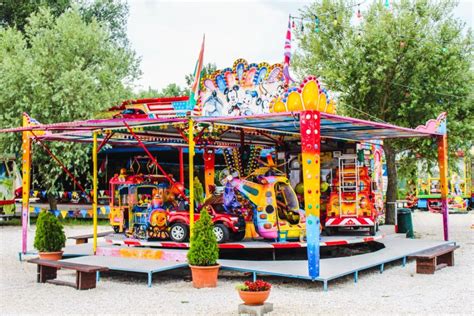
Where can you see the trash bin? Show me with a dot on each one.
(405, 223)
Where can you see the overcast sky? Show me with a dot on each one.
(167, 35)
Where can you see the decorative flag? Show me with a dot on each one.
(56, 213)
(83, 213)
(90, 212)
(103, 210)
(287, 54)
(64, 214)
(197, 77)
(37, 210)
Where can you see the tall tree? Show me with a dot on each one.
(404, 65)
(69, 70)
(14, 13)
(112, 14)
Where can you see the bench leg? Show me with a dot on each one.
(447, 258)
(85, 281)
(46, 273)
(425, 266)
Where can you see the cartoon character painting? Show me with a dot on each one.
(213, 105)
(246, 89)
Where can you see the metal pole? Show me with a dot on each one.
(443, 175)
(191, 174)
(94, 187)
(26, 173)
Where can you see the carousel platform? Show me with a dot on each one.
(397, 248)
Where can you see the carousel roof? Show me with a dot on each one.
(264, 129)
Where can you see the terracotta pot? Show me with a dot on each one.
(204, 276)
(254, 298)
(57, 255)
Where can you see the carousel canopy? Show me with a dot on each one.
(263, 129)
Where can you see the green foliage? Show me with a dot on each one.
(49, 235)
(198, 191)
(207, 69)
(171, 90)
(15, 13)
(111, 14)
(404, 66)
(203, 250)
(60, 69)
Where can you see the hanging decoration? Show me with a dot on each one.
(316, 19)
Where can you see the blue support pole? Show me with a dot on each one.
(254, 275)
(149, 279)
(356, 276)
(404, 261)
(381, 268)
(325, 286)
(97, 276)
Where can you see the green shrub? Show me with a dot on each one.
(50, 235)
(203, 250)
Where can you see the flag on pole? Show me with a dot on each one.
(287, 54)
(197, 77)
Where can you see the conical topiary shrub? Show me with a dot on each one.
(49, 237)
(203, 253)
(204, 250)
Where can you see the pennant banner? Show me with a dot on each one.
(64, 214)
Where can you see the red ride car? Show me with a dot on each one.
(131, 114)
(227, 226)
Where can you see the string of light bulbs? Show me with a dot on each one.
(316, 17)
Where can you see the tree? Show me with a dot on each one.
(171, 90)
(14, 13)
(111, 14)
(69, 70)
(207, 69)
(402, 65)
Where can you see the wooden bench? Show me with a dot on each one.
(86, 275)
(428, 261)
(84, 239)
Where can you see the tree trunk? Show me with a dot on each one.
(53, 203)
(392, 189)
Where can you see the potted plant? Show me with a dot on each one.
(203, 253)
(254, 293)
(49, 238)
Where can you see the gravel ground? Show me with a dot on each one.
(397, 291)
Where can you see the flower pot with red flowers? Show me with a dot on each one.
(254, 293)
(49, 238)
(203, 253)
